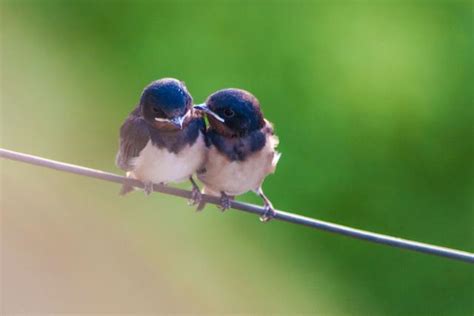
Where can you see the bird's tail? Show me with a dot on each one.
(127, 188)
(208, 191)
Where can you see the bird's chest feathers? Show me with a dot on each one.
(174, 141)
(159, 164)
(237, 148)
(239, 176)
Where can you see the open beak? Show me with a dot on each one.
(203, 107)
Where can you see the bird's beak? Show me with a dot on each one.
(178, 121)
(203, 107)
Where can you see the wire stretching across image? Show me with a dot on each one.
(372, 101)
(283, 216)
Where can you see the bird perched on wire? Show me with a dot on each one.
(163, 140)
(242, 147)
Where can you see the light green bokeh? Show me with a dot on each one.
(373, 105)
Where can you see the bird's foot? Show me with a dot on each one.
(225, 202)
(196, 197)
(147, 188)
(269, 213)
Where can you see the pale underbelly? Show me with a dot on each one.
(158, 165)
(234, 178)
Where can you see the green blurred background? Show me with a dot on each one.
(373, 103)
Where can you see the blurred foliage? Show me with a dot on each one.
(373, 103)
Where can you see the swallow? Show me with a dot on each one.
(242, 148)
(163, 138)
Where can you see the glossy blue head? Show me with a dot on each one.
(233, 111)
(166, 101)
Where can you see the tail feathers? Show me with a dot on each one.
(208, 191)
(126, 188)
(276, 158)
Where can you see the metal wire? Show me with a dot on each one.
(250, 208)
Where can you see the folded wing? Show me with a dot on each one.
(134, 135)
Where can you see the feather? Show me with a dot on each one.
(134, 135)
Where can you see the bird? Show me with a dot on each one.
(242, 148)
(163, 138)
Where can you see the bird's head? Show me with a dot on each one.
(166, 103)
(233, 112)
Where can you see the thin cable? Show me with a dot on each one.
(250, 208)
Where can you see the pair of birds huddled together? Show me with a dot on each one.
(165, 139)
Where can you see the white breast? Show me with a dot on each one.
(238, 177)
(158, 165)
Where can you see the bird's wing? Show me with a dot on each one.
(134, 135)
(274, 141)
(203, 130)
(270, 131)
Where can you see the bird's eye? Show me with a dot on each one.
(157, 111)
(228, 113)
